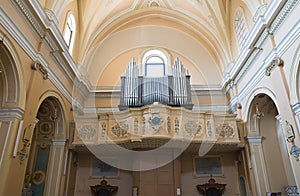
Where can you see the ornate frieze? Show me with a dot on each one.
(162, 122)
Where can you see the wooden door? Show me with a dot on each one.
(157, 181)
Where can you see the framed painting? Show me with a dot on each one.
(102, 168)
(207, 166)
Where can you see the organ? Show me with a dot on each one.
(173, 89)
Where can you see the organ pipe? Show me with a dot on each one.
(171, 90)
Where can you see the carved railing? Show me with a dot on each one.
(173, 90)
(157, 121)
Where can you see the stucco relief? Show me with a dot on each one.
(156, 122)
(87, 132)
(120, 129)
(225, 130)
(191, 128)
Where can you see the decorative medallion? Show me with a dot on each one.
(87, 132)
(46, 128)
(38, 177)
(191, 127)
(295, 152)
(156, 121)
(120, 129)
(224, 130)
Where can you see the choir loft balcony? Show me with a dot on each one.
(152, 126)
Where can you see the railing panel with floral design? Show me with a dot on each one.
(157, 121)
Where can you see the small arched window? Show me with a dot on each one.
(69, 32)
(155, 63)
(241, 29)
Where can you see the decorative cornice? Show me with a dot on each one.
(281, 48)
(282, 15)
(24, 9)
(275, 15)
(11, 112)
(15, 32)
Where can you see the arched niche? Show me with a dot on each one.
(268, 144)
(294, 76)
(12, 97)
(48, 149)
(11, 94)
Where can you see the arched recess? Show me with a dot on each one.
(268, 148)
(294, 84)
(47, 156)
(295, 78)
(12, 97)
(13, 92)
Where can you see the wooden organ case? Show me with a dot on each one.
(173, 89)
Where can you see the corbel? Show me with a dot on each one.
(39, 67)
(277, 61)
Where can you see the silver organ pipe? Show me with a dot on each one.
(131, 84)
(171, 90)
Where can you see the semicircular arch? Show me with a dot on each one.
(14, 91)
(202, 33)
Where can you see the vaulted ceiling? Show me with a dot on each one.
(205, 25)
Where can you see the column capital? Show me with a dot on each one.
(59, 142)
(254, 139)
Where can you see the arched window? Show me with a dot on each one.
(241, 29)
(155, 63)
(69, 32)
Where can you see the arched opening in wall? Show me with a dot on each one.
(8, 78)
(155, 63)
(240, 27)
(9, 95)
(270, 151)
(47, 151)
(69, 31)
